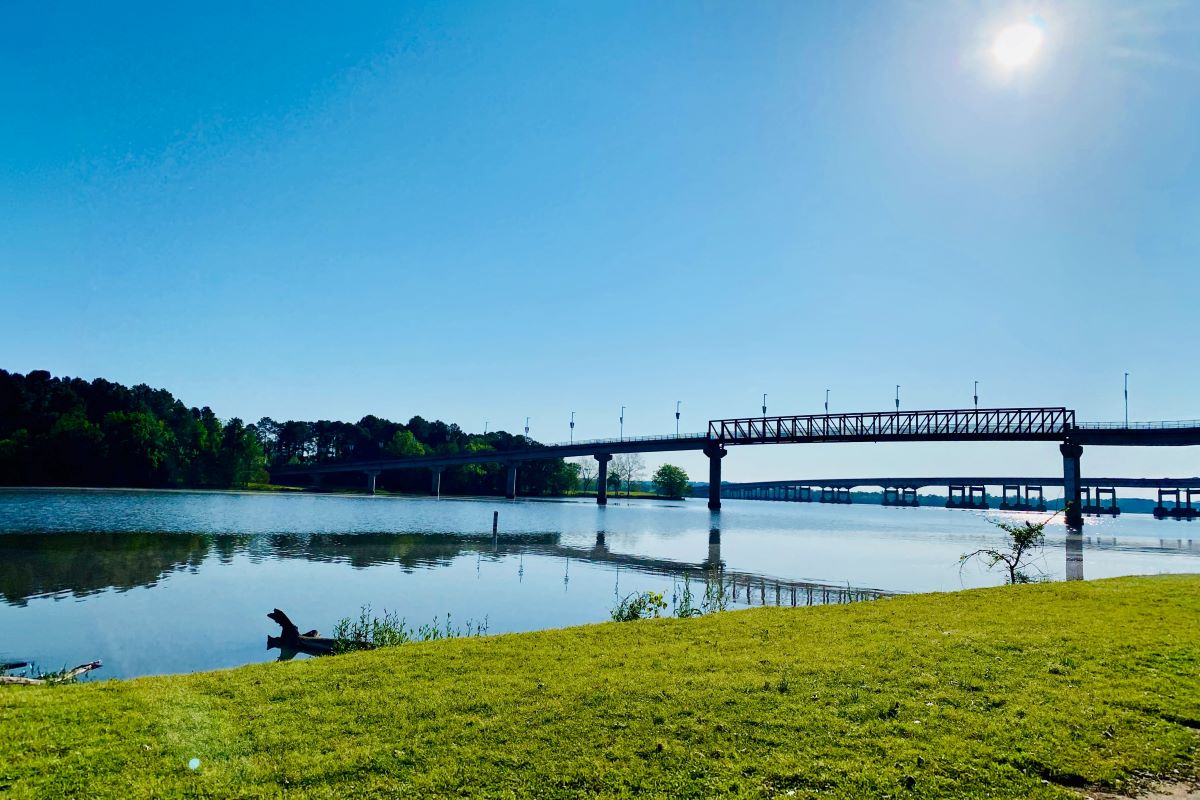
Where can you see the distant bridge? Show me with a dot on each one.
(1178, 498)
(1050, 424)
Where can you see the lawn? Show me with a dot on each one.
(1027, 691)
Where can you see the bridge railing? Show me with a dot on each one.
(998, 422)
(657, 438)
(1140, 426)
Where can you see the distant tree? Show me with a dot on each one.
(613, 481)
(241, 460)
(630, 467)
(139, 446)
(563, 478)
(670, 480)
(587, 472)
(404, 445)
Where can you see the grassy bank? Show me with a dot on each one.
(1012, 692)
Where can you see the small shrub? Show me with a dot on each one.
(639, 605)
(1025, 540)
(369, 632)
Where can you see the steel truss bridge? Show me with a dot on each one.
(1033, 424)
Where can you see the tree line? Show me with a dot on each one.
(72, 432)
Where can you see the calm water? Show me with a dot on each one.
(161, 582)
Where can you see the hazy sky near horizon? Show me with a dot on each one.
(487, 211)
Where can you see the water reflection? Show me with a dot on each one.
(80, 564)
(1074, 550)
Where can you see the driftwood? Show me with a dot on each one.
(291, 639)
(58, 677)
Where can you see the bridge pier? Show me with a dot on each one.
(715, 454)
(371, 476)
(1015, 497)
(839, 495)
(435, 486)
(971, 497)
(1096, 507)
(602, 479)
(510, 483)
(905, 496)
(1071, 454)
(1182, 508)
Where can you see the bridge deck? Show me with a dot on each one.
(966, 425)
(917, 483)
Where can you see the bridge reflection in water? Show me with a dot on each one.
(81, 564)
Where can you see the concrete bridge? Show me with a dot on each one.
(1178, 498)
(1048, 424)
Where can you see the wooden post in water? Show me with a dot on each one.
(495, 522)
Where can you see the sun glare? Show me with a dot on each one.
(1017, 44)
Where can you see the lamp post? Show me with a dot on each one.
(897, 397)
(764, 404)
(826, 401)
(677, 404)
(572, 427)
(976, 395)
(527, 427)
(622, 423)
(485, 424)
(1126, 399)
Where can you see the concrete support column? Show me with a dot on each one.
(1071, 488)
(371, 476)
(510, 483)
(435, 486)
(602, 479)
(715, 454)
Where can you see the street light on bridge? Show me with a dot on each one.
(622, 423)
(826, 401)
(764, 404)
(897, 397)
(572, 427)
(1126, 399)
(976, 395)
(677, 404)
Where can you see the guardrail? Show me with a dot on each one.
(1139, 426)
(659, 438)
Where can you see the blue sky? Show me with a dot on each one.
(487, 211)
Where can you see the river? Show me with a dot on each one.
(155, 582)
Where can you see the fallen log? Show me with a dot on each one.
(57, 677)
(290, 638)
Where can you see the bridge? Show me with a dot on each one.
(1034, 424)
(1178, 498)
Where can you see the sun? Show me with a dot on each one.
(1016, 45)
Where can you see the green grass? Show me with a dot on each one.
(1012, 692)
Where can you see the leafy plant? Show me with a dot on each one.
(1025, 541)
(639, 605)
